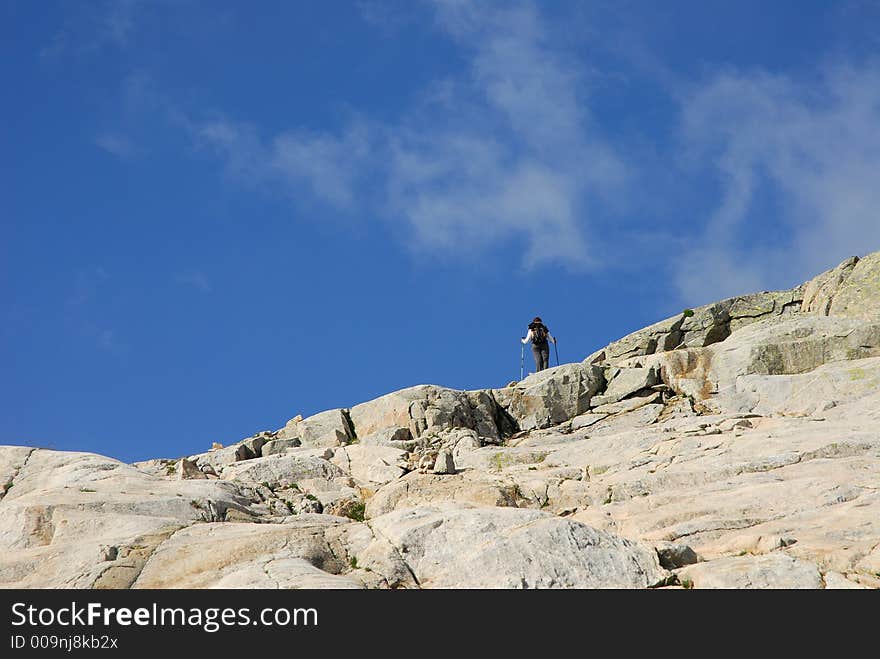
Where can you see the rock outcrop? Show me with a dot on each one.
(734, 445)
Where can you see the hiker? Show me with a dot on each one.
(538, 334)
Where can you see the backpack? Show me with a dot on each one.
(539, 334)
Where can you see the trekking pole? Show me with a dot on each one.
(522, 352)
(556, 350)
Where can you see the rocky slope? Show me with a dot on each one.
(732, 446)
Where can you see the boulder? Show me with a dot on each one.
(329, 428)
(281, 470)
(371, 465)
(444, 464)
(674, 555)
(770, 571)
(254, 444)
(837, 581)
(291, 555)
(221, 457)
(552, 396)
(412, 412)
(819, 291)
(858, 295)
(280, 446)
(658, 337)
(79, 520)
(798, 344)
(290, 429)
(187, 469)
(704, 325)
(626, 381)
(387, 436)
(417, 489)
(451, 546)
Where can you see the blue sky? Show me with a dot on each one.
(217, 215)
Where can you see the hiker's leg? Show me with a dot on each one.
(545, 357)
(536, 353)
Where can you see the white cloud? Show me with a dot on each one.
(813, 147)
(515, 156)
(118, 145)
(329, 166)
(503, 152)
(90, 27)
(239, 144)
(118, 21)
(462, 193)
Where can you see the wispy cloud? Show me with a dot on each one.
(197, 280)
(118, 21)
(330, 166)
(118, 145)
(515, 153)
(90, 27)
(505, 151)
(813, 148)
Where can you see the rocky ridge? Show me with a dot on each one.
(734, 445)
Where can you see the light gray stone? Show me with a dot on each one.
(387, 436)
(516, 549)
(219, 458)
(858, 295)
(627, 381)
(819, 291)
(416, 489)
(837, 581)
(329, 428)
(65, 510)
(290, 429)
(254, 444)
(281, 470)
(424, 408)
(370, 465)
(586, 420)
(187, 469)
(658, 337)
(292, 555)
(852, 290)
(628, 405)
(553, 396)
(772, 571)
(674, 555)
(702, 326)
(444, 463)
(466, 443)
(280, 446)
(797, 344)
(12, 459)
